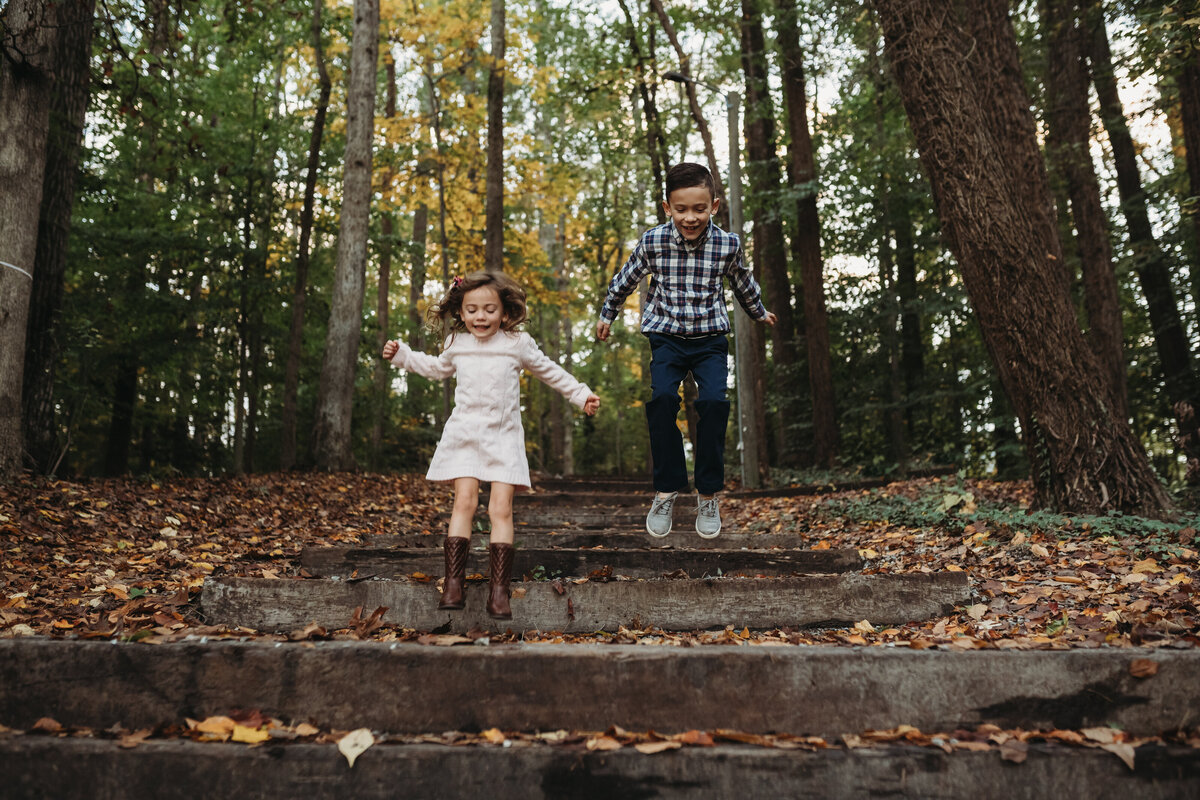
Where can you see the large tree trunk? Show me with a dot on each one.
(806, 238)
(763, 174)
(1170, 336)
(689, 87)
(493, 255)
(68, 107)
(287, 458)
(1068, 148)
(971, 119)
(335, 393)
(26, 80)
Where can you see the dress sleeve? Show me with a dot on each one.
(433, 367)
(551, 374)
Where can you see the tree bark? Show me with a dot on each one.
(656, 143)
(1189, 113)
(806, 238)
(1170, 335)
(295, 344)
(763, 174)
(1083, 457)
(493, 256)
(689, 87)
(335, 393)
(27, 56)
(68, 107)
(1067, 145)
(382, 304)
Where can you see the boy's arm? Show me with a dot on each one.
(746, 289)
(621, 286)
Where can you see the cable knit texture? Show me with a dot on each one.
(484, 437)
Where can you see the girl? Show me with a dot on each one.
(483, 440)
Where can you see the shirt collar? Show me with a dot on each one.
(677, 237)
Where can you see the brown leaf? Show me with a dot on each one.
(1143, 668)
(570, 609)
(1014, 750)
(134, 738)
(603, 743)
(47, 725)
(650, 748)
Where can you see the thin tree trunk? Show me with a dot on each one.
(1083, 457)
(770, 258)
(689, 87)
(382, 304)
(493, 257)
(68, 108)
(416, 287)
(300, 288)
(656, 143)
(912, 339)
(1170, 336)
(335, 393)
(1189, 113)
(26, 80)
(806, 238)
(1068, 149)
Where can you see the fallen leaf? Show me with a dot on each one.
(603, 743)
(1143, 668)
(47, 725)
(134, 738)
(1014, 750)
(977, 611)
(304, 729)
(1122, 750)
(863, 626)
(241, 733)
(694, 737)
(1102, 735)
(494, 735)
(650, 748)
(1039, 550)
(354, 744)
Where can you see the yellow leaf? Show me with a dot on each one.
(494, 735)
(1147, 565)
(863, 626)
(249, 735)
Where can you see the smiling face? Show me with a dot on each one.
(691, 208)
(482, 312)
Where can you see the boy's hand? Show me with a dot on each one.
(591, 405)
(770, 319)
(389, 349)
(602, 330)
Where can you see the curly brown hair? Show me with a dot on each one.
(444, 317)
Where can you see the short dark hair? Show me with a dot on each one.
(686, 174)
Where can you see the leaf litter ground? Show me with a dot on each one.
(126, 560)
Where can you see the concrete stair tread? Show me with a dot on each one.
(45, 767)
(569, 606)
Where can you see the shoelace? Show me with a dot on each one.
(663, 505)
(708, 508)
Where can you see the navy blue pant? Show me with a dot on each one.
(671, 359)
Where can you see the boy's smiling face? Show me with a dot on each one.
(691, 208)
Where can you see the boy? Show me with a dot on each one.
(686, 258)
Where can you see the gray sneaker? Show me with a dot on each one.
(658, 521)
(708, 517)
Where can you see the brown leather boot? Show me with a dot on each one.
(501, 557)
(455, 548)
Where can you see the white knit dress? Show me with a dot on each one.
(484, 438)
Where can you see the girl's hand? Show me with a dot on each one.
(389, 349)
(591, 405)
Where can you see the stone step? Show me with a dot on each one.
(586, 484)
(604, 537)
(670, 604)
(41, 767)
(817, 690)
(541, 562)
(570, 500)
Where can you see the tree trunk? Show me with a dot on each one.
(382, 305)
(656, 143)
(416, 287)
(68, 107)
(689, 87)
(300, 288)
(908, 295)
(1170, 336)
(493, 256)
(335, 393)
(26, 81)
(763, 174)
(806, 238)
(1189, 113)
(952, 75)
(1067, 145)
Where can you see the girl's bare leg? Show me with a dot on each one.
(500, 507)
(466, 500)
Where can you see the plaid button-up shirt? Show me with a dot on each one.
(686, 295)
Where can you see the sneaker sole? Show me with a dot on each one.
(712, 535)
(657, 535)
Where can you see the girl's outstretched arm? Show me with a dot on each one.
(554, 376)
(404, 357)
